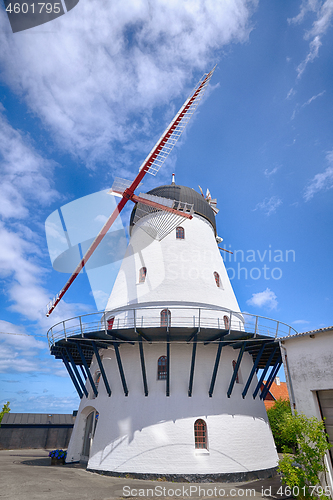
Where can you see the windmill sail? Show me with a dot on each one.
(165, 144)
(151, 164)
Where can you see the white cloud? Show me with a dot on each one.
(18, 350)
(25, 186)
(15, 336)
(324, 12)
(291, 93)
(322, 181)
(323, 22)
(269, 205)
(267, 298)
(47, 404)
(105, 67)
(300, 322)
(313, 53)
(273, 171)
(25, 174)
(309, 101)
(307, 6)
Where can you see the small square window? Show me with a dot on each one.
(162, 368)
(142, 274)
(200, 434)
(180, 233)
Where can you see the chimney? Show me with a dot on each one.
(277, 380)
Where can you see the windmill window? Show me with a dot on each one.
(233, 367)
(180, 233)
(217, 279)
(226, 322)
(200, 434)
(142, 274)
(162, 368)
(110, 322)
(97, 379)
(165, 317)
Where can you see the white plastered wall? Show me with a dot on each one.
(155, 434)
(310, 369)
(177, 270)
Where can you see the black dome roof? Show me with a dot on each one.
(187, 195)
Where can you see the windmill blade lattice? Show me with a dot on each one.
(160, 222)
(119, 185)
(177, 126)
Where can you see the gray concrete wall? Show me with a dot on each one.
(34, 437)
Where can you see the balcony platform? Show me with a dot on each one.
(78, 339)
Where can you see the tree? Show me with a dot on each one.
(5, 409)
(303, 470)
(280, 420)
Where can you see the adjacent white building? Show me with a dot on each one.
(308, 364)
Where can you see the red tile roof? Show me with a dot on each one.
(277, 391)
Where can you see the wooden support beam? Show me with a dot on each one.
(168, 366)
(120, 367)
(253, 371)
(83, 372)
(216, 366)
(194, 350)
(264, 372)
(234, 375)
(101, 367)
(76, 371)
(271, 378)
(85, 364)
(143, 367)
(71, 374)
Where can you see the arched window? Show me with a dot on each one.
(110, 322)
(233, 367)
(200, 434)
(142, 274)
(180, 233)
(217, 279)
(97, 378)
(226, 322)
(162, 368)
(165, 317)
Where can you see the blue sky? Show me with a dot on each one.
(84, 98)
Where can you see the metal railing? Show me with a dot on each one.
(175, 316)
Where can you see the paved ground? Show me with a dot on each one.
(28, 475)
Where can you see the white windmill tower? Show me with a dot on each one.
(167, 376)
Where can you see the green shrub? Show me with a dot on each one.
(280, 420)
(5, 409)
(302, 470)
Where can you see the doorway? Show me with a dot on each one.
(89, 433)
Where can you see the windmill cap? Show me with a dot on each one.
(187, 195)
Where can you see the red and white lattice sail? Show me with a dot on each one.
(151, 165)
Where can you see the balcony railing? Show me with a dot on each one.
(131, 318)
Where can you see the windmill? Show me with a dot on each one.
(153, 162)
(167, 372)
